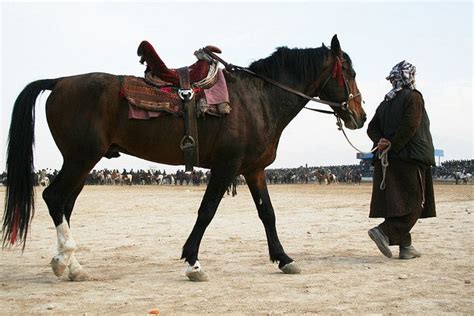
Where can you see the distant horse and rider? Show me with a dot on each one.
(325, 176)
(463, 177)
(42, 178)
(238, 180)
(89, 119)
(354, 176)
(164, 179)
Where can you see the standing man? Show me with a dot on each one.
(403, 186)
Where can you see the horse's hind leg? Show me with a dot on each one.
(60, 197)
(258, 189)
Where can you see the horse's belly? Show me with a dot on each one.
(159, 139)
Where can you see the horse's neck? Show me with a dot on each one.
(277, 104)
(285, 105)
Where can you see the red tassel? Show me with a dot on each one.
(16, 223)
(337, 72)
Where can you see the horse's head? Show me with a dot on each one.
(340, 86)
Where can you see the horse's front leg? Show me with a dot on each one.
(258, 188)
(220, 179)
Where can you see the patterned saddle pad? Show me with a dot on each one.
(147, 97)
(147, 101)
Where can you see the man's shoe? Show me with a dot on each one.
(377, 235)
(408, 252)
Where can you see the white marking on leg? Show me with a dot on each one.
(195, 273)
(195, 267)
(66, 247)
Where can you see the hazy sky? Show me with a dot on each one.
(48, 40)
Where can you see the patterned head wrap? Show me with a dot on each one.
(402, 75)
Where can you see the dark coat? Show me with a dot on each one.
(405, 123)
(408, 180)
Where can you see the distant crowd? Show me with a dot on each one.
(458, 171)
(450, 168)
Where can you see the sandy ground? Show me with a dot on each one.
(130, 241)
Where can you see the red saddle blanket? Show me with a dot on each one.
(147, 101)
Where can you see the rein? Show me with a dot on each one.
(382, 155)
(341, 128)
(281, 86)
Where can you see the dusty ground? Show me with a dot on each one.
(130, 240)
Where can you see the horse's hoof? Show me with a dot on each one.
(195, 273)
(78, 275)
(291, 268)
(58, 265)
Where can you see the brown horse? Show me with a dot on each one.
(89, 120)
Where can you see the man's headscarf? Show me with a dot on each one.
(401, 76)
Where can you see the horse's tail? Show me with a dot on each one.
(19, 197)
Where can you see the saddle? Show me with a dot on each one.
(159, 74)
(190, 81)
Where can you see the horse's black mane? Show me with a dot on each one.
(302, 63)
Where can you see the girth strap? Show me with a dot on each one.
(189, 143)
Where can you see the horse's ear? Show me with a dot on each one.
(335, 46)
(322, 44)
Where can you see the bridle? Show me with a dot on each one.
(337, 72)
(339, 75)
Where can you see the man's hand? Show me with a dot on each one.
(383, 144)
